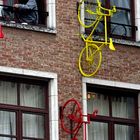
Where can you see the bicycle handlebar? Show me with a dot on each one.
(99, 8)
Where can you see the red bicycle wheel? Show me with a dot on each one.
(71, 116)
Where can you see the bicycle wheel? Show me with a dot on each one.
(85, 14)
(88, 66)
(71, 116)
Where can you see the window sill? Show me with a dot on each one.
(127, 42)
(121, 41)
(29, 27)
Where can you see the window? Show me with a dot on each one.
(46, 12)
(121, 24)
(117, 117)
(24, 111)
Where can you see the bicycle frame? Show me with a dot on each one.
(72, 112)
(90, 44)
(81, 123)
(100, 15)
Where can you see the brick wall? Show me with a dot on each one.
(59, 53)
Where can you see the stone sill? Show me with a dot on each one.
(120, 41)
(127, 42)
(29, 27)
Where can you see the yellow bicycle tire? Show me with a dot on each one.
(85, 71)
(79, 15)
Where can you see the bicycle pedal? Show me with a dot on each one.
(111, 46)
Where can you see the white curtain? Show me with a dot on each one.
(99, 102)
(8, 93)
(32, 96)
(33, 126)
(123, 132)
(123, 107)
(6, 138)
(97, 131)
(7, 123)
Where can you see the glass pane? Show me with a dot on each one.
(120, 3)
(123, 132)
(122, 19)
(32, 96)
(97, 131)
(90, 18)
(7, 123)
(8, 92)
(6, 138)
(123, 107)
(33, 126)
(99, 102)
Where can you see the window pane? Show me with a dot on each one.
(98, 101)
(123, 132)
(8, 92)
(7, 123)
(6, 138)
(123, 107)
(120, 3)
(33, 126)
(122, 19)
(32, 96)
(97, 131)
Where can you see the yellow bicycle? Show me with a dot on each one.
(91, 55)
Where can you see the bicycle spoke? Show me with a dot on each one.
(71, 116)
(90, 63)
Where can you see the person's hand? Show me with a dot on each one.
(15, 5)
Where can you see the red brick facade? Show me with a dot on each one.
(59, 53)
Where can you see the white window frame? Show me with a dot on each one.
(51, 21)
(53, 94)
(109, 83)
(137, 19)
(51, 9)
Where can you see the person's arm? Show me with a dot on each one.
(21, 6)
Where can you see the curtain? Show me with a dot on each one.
(97, 131)
(100, 102)
(32, 96)
(8, 92)
(33, 126)
(7, 123)
(123, 107)
(123, 132)
(6, 138)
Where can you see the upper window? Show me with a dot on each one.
(117, 117)
(23, 110)
(121, 24)
(32, 12)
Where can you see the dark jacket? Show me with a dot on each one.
(28, 12)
